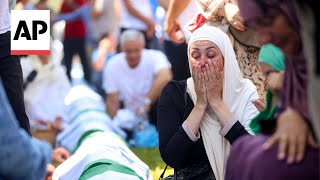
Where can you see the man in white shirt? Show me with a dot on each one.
(135, 76)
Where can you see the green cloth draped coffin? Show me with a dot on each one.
(99, 151)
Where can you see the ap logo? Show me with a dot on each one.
(30, 32)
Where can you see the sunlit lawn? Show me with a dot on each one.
(153, 159)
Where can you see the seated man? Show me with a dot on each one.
(45, 87)
(134, 77)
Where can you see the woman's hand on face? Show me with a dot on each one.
(293, 135)
(214, 83)
(259, 103)
(199, 85)
(233, 17)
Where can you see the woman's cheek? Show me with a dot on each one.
(192, 61)
(221, 65)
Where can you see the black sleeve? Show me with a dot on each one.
(235, 132)
(174, 144)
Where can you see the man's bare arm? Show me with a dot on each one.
(164, 4)
(162, 78)
(171, 26)
(112, 104)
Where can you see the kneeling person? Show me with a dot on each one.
(133, 80)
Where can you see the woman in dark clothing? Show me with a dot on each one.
(216, 103)
(250, 159)
(277, 22)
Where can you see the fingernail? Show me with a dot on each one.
(281, 156)
(265, 146)
(299, 158)
(290, 160)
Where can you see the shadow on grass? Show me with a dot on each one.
(153, 159)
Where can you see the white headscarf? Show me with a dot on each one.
(237, 92)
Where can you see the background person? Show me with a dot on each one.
(135, 77)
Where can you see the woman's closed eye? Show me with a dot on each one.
(195, 55)
(210, 54)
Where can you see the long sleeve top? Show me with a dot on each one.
(177, 148)
(22, 157)
(82, 13)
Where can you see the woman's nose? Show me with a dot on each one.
(203, 61)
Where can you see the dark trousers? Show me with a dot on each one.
(97, 80)
(153, 114)
(72, 46)
(11, 76)
(177, 55)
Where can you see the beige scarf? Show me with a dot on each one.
(236, 94)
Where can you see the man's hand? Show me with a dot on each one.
(173, 31)
(151, 29)
(49, 173)
(60, 155)
(57, 124)
(142, 111)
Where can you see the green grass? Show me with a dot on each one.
(153, 159)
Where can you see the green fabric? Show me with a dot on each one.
(87, 110)
(86, 135)
(102, 165)
(273, 56)
(266, 114)
(90, 133)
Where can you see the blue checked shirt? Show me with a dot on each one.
(21, 157)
